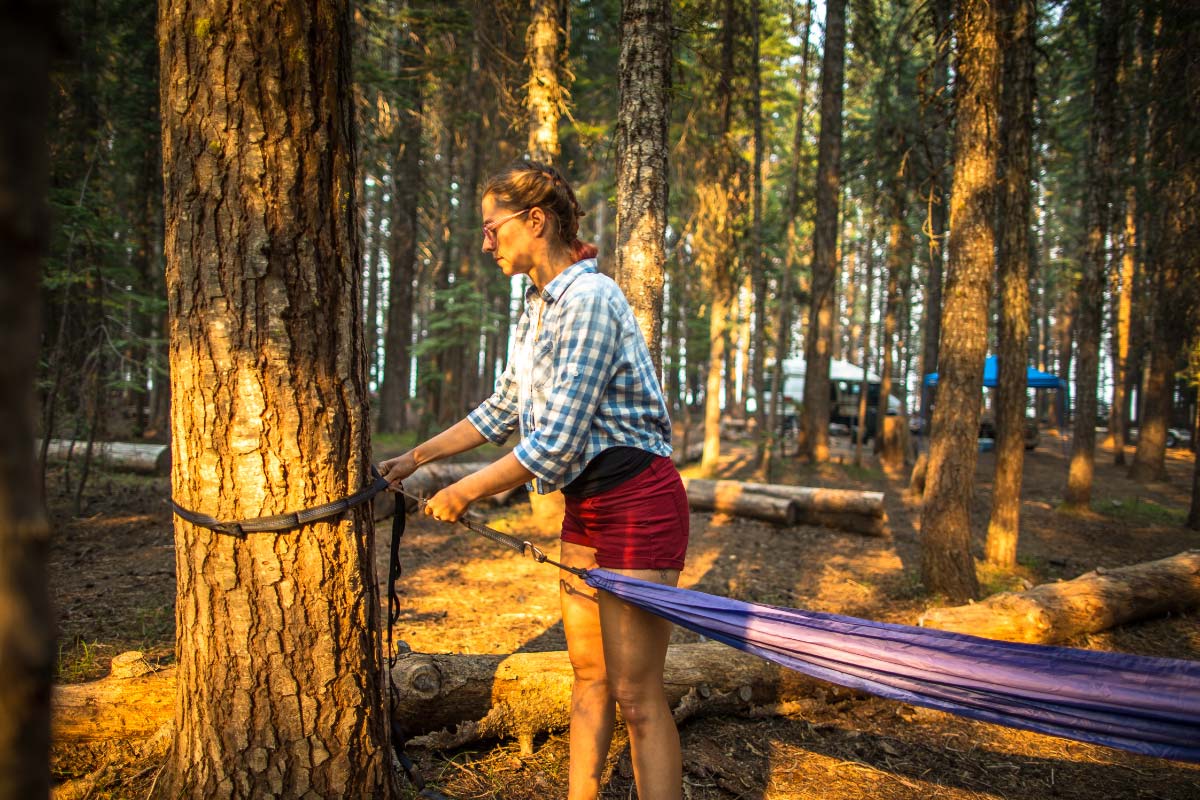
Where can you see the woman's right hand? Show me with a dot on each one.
(398, 468)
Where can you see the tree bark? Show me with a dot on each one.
(642, 160)
(280, 683)
(27, 41)
(758, 270)
(1096, 601)
(1095, 263)
(947, 566)
(1018, 34)
(1118, 413)
(818, 344)
(546, 97)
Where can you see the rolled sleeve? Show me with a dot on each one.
(497, 417)
(585, 358)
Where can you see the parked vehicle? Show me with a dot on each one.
(845, 383)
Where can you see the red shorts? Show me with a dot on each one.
(640, 524)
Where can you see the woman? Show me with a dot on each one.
(583, 391)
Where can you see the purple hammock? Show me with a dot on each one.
(1145, 705)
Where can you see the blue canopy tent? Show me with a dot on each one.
(1034, 379)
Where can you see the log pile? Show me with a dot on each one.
(844, 509)
(449, 700)
(1102, 599)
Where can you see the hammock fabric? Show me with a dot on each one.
(1145, 705)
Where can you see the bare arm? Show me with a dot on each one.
(458, 438)
(504, 473)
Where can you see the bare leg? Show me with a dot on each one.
(635, 650)
(592, 709)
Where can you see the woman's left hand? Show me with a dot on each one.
(448, 504)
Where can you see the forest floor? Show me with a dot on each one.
(113, 585)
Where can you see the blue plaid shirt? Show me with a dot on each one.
(580, 381)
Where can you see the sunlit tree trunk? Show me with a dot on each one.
(890, 442)
(644, 83)
(545, 53)
(947, 566)
(280, 688)
(818, 344)
(1121, 336)
(403, 208)
(758, 270)
(1095, 260)
(27, 42)
(1018, 21)
(865, 344)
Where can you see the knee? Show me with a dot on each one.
(639, 703)
(588, 670)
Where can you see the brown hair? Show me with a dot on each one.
(525, 184)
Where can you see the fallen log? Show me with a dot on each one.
(733, 499)
(148, 458)
(431, 479)
(843, 509)
(449, 700)
(1096, 601)
(692, 452)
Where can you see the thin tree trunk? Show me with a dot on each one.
(758, 270)
(889, 442)
(1118, 413)
(1095, 262)
(864, 384)
(818, 344)
(280, 681)
(642, 161)
(545, 45)
(28, 38)
(1018, 26)
(947, 566)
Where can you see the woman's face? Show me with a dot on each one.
(509, 236)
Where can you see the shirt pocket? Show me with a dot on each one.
(541, 368)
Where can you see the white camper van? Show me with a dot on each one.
(845, 381)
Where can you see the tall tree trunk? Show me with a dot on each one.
(642, 151)
(818, 344)
(865, 344)
(938, 197)
(1095, 262)
(1018, 22)
(545, 52)
(375, 245)
(27, 41)
(758, 270)
(890, 444)
(278, 636)
(1118, 413)
(404, 211)
(1064, 347)
(947, 566)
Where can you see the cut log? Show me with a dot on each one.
(692, 452)
(453, 699)
(1096, 601)
(843, 509)
(731, 498)
(148, 458)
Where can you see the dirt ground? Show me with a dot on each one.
(113, 584)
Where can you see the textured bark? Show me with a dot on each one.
(1097, 601)
(1095, 261)
(642, 151)
(27, 40)
(1018, 22)
(545, 52)
(818, 344)
(947, 566)
(280, 687)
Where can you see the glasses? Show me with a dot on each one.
(490, 228)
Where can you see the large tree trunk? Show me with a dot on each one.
(403, 207)
(947, 566)
(280, 682)
(1018, 25)
(1097, 601)
(644, 85)
(27, 40)
(818, 344)
(545, 50)
(1095, 261)
(452, 699)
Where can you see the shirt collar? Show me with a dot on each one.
(555, 288)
